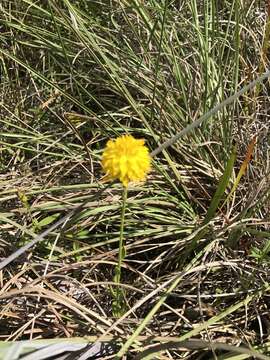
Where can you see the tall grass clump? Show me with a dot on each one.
(195, 269)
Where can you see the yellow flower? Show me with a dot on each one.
(126, 159)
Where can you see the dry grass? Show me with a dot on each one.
(197, 263)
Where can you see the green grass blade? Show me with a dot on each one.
(223, 183)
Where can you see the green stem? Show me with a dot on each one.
(121, 252)
(118, 304)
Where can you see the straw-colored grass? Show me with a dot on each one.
(196, 272)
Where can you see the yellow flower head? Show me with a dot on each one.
(126, 159)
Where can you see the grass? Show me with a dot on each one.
(195, 274)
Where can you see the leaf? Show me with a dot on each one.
(48, 220)
(223, 183)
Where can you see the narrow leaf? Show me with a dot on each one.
(221, 187)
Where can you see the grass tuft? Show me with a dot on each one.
(192, 79)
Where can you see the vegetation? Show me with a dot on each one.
(195, 275)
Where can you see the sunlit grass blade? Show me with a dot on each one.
(223, 183)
